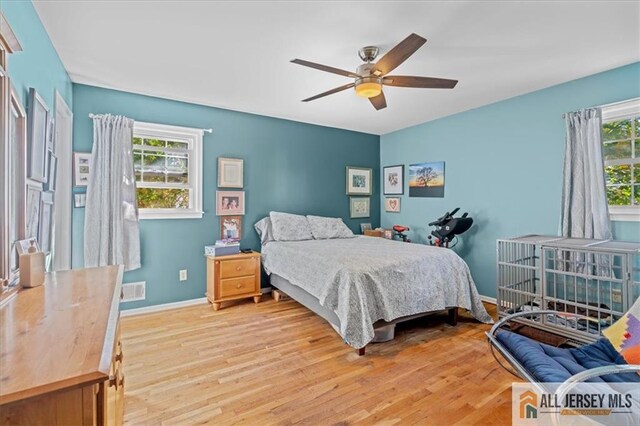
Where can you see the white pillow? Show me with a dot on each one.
(264, 230)
(290, 227)
(324, 228)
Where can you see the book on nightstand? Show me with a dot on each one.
(222, 248)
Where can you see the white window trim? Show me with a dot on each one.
(194, 137)
(619, 111)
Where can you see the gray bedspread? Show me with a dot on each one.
(365, 279)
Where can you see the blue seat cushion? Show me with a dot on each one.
(550, 364)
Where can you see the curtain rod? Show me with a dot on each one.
(209, 130)
(607, 105)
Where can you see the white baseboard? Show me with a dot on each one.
(162, 307)
(488, 299)
(174, 305)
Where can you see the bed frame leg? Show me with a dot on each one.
(360, 351)
(453, 316)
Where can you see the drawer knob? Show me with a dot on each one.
(238, 268)
(238, 285)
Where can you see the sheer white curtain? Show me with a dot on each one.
(111, 232)
(585, 211)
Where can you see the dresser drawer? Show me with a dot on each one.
(236, 286)
(237, 268)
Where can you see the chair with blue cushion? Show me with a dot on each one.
(540, 363)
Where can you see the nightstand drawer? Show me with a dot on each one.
(235, 286)
(237, 268)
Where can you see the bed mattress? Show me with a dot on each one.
(366, 279)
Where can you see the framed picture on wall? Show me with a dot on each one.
(230, 172)
(45, 226)
(229, 203)
(393, 180)
(359, 207)
(359, 181)
(34, 194)
(392, 204)
(426, 179)
(51, 180)
(81, 168)
(37, 130)
(231, 227)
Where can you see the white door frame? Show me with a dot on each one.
(63, 197)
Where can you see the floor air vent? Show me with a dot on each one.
(133, 291)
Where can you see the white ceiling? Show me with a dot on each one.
(236, 55)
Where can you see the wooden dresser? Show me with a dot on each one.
(60, 351)
(233, 277)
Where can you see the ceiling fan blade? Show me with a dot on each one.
(324, 68)
(399, 54)
(421, 82)
(379, 101)
(330, 92)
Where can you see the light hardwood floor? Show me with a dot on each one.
(278, 363)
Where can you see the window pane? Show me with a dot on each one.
(636, 194)
(158, 143)
(618, 174)
(137, 164)
(636, 173)
(617, 150)
(619, 195)
(637, 152)
(178, 145)
(615, 130)
(177, 169)
(137, 141)
(159, 198)
(637, 130)
(153, 167)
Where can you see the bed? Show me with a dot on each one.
(365, 283)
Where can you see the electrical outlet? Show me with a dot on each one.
(183, 274)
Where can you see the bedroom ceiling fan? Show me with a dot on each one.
(370, 77)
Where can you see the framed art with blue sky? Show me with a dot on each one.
(426, 179)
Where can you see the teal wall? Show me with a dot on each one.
(503, 166)
(38, 64)
(288, 166)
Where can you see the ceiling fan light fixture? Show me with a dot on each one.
(368, 87)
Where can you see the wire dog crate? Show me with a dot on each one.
(592, 283)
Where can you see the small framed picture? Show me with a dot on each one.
(388, 234)
(23, 246)
(229, 203)
(51, 182)
(230, 172)
(392, 204)
(365, 227)
(231, 227)
(32, 217)
(37, 129)
(46, 221)
(81, 168)
(359, 181)
(359, 207)
(394, 180)
(51, 135)
(79, 200)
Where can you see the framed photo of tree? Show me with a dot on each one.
(426, 179)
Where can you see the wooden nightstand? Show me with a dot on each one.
(233, 277)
